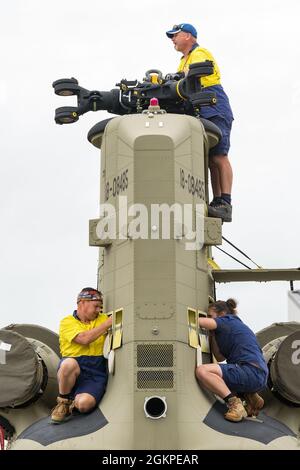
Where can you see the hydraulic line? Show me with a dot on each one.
(248, 267)
(244, 254)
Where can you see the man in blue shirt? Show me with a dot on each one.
(184, 38)
(245, 372)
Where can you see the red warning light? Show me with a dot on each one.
(154, 102)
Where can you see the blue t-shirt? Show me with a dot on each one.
(237, 343)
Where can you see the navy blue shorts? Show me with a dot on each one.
(222, 148)
(244, 378)
(92, 378)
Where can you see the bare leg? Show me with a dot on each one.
(84, 402)
(210, 376)
(67, 375)
(215, 178)
(223, 166)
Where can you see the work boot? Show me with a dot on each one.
(62, 411)
(216, 201)
(254, 403)
(236, 412)
(221, 210)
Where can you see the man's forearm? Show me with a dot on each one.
(87, 337)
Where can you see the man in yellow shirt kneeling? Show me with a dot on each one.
(82, 371)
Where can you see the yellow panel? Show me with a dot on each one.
(117, 328)
(193, 327)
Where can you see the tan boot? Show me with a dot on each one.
(63, 410)
(236, 412)
(254, 403)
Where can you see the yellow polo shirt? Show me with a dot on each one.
(70, 327)
(199, 54)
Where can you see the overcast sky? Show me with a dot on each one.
(50, 174)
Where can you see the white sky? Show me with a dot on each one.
(50, 174)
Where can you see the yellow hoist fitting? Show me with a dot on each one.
(154, 78)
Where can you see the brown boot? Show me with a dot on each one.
(236, 412)
(63, 410)
(254, 403)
